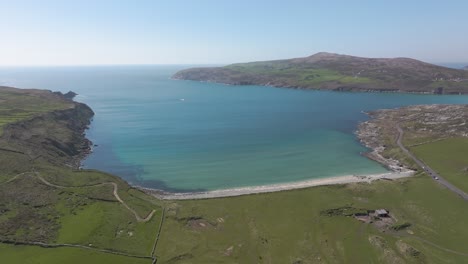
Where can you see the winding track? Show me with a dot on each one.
(14, 177)
(115, 192)
(116, 195)
(427, 169)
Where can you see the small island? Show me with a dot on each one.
(329, 71)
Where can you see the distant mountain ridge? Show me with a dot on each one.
(330, 71)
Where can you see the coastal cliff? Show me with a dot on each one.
(329, 71)
(56, 137)
(43, 195)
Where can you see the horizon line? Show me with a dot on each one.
(175, 64)
(107, 64)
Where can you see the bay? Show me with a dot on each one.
(191, 136)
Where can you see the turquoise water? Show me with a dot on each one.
(218, 136)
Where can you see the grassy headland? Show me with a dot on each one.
(48, 206)
(340, 73)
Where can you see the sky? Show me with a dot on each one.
(63, 32)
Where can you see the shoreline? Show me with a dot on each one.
(395, 91)
(277, 187)
(396, 171)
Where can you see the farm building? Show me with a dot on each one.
(381, 213)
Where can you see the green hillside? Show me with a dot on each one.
(330, 71)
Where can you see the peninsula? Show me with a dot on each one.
(52, 211)
(329, 71)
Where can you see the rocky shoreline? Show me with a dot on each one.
(422, 122)
(350, 89)
(84, 115)
(86, 144)
(57, 136)
(369, 134)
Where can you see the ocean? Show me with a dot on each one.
(185, 136)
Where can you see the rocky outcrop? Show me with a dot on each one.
(371, 135)
(422, 124)
(69, 95)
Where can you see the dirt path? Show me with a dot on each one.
(115, 192)
(117, 197)
(14, 177)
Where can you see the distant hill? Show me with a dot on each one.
(331, 71)
(466, 68)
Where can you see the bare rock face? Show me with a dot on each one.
(70, 95)
(56, 136)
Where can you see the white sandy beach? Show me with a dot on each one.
(276, 187)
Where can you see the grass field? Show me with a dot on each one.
(448, 157)
(288, 227)
(17, 105)
(302, 76)
(107, 225)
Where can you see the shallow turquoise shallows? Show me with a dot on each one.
(187, 136)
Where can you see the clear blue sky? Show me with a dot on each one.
(61, 32)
